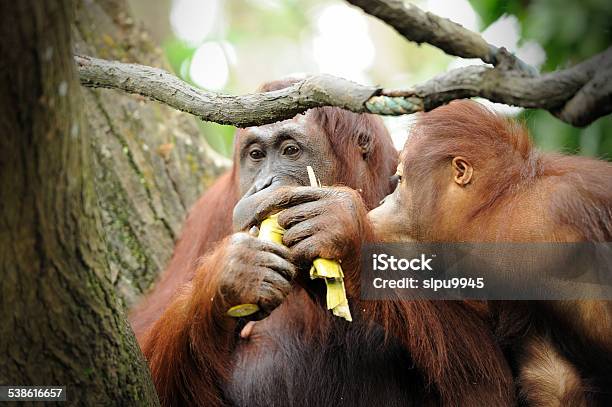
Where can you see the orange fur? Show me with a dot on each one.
(519, 194)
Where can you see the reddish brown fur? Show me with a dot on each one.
(184, 368)
(452, 346)
(500, 149)
(470, 130)
(547, 379)
(517, 194)
(193, 351)
(210, 219)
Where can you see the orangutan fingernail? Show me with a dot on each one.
(247, 330)
(254, 231)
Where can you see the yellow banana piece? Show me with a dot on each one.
(270, 231)
(242, 310)
(329, 270)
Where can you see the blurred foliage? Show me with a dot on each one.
(179, 53)
(273, 38)
(250, 27)
(569, 32)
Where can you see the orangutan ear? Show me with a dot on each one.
(462, 171)
(364, 141)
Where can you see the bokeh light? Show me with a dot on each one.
(342, 45)
(193, 20)
(459, 11)
(234, 46)
(209, 67)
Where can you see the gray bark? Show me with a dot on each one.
(150, 161)
(241, 111)
(421, 26)
(86, 208)
(62, 322)
(505, 83)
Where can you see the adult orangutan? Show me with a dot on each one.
(393, 353)
(469, 175)
(344, 148)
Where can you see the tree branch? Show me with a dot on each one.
(550, 91)
(419, 26)
(577, 95)
(241, 111)
(593, 100)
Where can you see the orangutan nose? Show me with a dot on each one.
(262, 184)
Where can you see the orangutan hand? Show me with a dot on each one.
(255, 272)
(330, 223)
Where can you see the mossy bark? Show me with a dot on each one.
(93, 188)
(150, 161)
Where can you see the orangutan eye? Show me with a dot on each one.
(256, 154)
(291, 150)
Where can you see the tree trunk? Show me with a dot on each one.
(93, 189)
(150, 161)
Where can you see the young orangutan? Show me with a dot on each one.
(469, 175)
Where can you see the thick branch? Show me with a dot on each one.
(584, 86)
(593, 100)
(241, 111)
(419, 26)
(550, 91)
